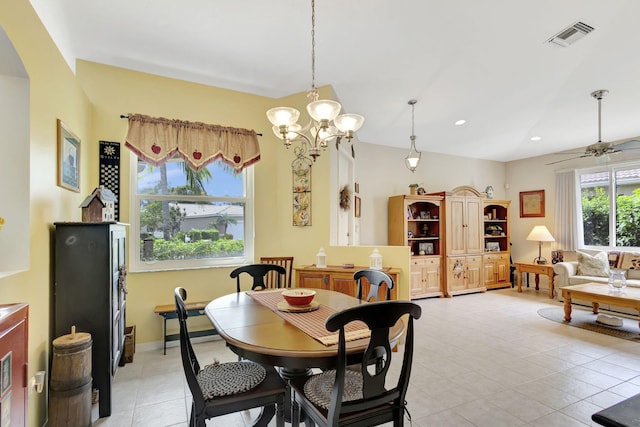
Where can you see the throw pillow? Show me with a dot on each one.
(596, 265)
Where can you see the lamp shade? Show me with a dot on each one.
(540, 234)
(283, 116)
(349, 122)
(324, 109)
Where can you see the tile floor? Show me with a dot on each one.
(480, 360)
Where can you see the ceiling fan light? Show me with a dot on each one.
(349, 122)
(324, 109)
(283, 116)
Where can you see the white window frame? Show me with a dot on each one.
(138, 266)
(610, 169)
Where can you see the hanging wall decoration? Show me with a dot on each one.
(301, 170)
(110, 171)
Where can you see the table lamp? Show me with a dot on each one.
(540, 234)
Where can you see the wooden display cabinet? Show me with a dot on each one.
(340, 279)
(497, 256)
(416, 221)
(463, 215)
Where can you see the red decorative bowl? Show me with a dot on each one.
(299, 296)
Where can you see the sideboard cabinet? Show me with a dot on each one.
(90, 294)
(340, 279)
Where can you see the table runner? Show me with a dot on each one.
(311, 322)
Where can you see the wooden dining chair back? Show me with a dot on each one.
(225, 388)
(344, 397)
(284, 261)
(376, 279)
(259, 272)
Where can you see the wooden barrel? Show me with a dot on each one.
(71, 365)
(70, 381)
(70, 408)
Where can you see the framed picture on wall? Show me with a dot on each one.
(356, 206)
(532, 204)
(68, 158)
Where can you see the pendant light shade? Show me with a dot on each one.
(413, 158)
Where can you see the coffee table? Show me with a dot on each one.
(600, 293)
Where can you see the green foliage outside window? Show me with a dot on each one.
(595, 217)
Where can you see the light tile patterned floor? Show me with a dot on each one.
(480, 360)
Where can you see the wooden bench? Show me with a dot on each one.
(168, 311)
(622, 414)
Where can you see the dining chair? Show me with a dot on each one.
(284, 261)
(344, 397)
(259, 272)
(376, 279)
(224, 388)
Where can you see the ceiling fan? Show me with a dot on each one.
(600, 148)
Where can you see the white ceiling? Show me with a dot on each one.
(484, 61)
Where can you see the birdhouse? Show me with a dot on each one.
(99, 206)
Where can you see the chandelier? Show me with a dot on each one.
(326, 122)
(413, 158)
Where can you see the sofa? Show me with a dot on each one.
(594, 266)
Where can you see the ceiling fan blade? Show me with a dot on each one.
(570, 158)
(632, 144)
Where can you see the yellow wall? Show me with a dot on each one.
(115, 91)
(54, 93)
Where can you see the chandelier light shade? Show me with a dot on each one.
(540, 234)
(327, 122)
(413, 158)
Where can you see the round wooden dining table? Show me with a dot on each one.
(255, 332)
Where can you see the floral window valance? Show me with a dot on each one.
(156, 140)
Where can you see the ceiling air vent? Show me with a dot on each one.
(571, 34)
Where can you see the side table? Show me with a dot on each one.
(537, 269)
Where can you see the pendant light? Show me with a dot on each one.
(413, 158)
(327, 122)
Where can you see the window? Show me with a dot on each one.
(610, 206)
(185, 219)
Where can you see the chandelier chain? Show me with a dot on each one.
(313, 44)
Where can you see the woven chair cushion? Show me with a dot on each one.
(224, 379)
(318, 388)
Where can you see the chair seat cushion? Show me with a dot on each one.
(224, 379)
(318, 388)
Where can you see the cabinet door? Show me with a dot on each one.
(502, 269)
(474, 225)
(346, 285)
(431, 276)
(456, 274)
(473, 265)
(489, 272)
(416, 279)
(456, 227)
(313, 280)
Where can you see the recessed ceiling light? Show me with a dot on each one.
(536, 138)
(461, 122)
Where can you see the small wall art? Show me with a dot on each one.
(357, 202)
(301, 170)
(68, 158)
(532, 204)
